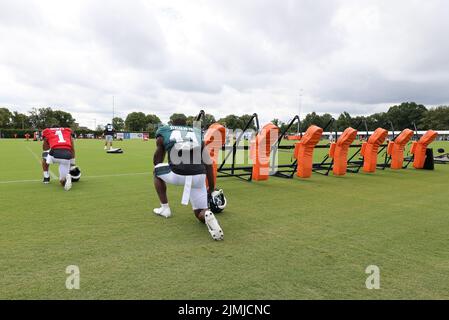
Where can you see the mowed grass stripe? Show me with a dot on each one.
(84, 178)
(284, 239)
(39, 160)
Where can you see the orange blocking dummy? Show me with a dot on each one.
(261, 149)
(214, 140)
(370, 149)
(304, 151)
(339, 151)
(419, 148)
(396, 149)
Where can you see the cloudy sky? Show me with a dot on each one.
(226, 56)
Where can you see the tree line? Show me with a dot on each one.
(398, 117)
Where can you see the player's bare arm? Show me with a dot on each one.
(45, 145)
(159, 154)
(73, 148)
(210, 177)
(159, 184)
(209, 171)
(45, 165)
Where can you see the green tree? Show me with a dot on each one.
(283, 126)
(190, 120)
(276, 122)
(152, 122)
(436, 119)
(41, 118)
(378, 120)
(311, 119)
(231, 121)
(63, 119)
(358, 122)
(244, 120)
(45, 118)
(207, 120)
(317, 120)
(344, 121)
(404, 115)
(20, 121)
(177, 118)
(5, 117)
(236, 122)
(118, 124)
(326, 122)
(153, 119)
(136, 121)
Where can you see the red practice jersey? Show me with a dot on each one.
(58, 138)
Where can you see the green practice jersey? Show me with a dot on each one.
(186, 138)
(186, 141)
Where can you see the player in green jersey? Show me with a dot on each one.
(188, 165)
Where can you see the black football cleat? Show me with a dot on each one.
(46, 180)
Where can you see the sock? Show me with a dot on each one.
(46, 174)
(164, 206)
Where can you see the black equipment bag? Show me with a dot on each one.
(429, 163)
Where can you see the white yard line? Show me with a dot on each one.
(18, 181)
(39, 159)
(120, 175)
(55, 177)
(85, 178)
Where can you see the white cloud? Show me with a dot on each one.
(225, 56)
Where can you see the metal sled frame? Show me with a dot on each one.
(410, 157)
(327, 164)
(407, 159)
(387, 158)
(284, 170)
(354, 165)
(288, 170)
(200, 115)
(242, 172)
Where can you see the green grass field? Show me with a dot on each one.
(284, 239)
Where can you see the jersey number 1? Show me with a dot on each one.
(60, 136)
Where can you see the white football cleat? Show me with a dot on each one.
(68, 182)
(212, 225)
(163, 212)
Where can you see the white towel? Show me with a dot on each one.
(187, 189)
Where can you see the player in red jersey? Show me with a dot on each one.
(58, 148)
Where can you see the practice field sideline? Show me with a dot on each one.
(284, 239)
